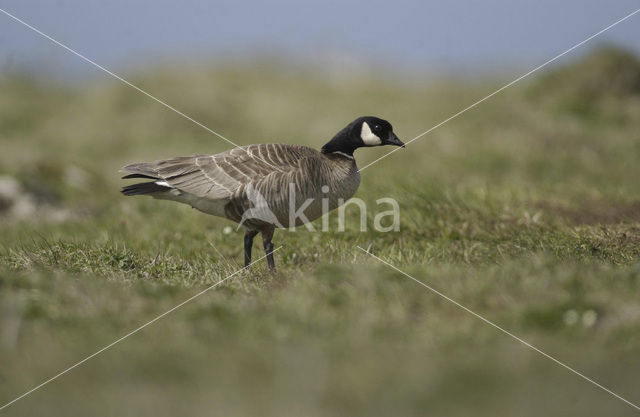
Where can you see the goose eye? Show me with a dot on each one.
(377, 128)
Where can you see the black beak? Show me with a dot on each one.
(394, 140)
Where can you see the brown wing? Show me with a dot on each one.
(219, 176)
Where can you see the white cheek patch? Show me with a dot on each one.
(368, 137)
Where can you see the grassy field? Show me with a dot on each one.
(525, 209)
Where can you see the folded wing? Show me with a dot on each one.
(217, 176)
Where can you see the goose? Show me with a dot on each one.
(266, 186)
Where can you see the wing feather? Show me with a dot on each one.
(220, 176)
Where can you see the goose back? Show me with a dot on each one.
(227, 184)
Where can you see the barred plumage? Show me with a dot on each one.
(232, 183)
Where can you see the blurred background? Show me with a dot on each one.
(526, 209)
(460, 37)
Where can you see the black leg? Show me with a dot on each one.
(248, 244)
(267, 235)
(268, 249)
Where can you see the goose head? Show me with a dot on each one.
(365, 131)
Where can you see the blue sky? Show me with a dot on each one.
(458, 36)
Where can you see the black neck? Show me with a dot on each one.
(341, 142)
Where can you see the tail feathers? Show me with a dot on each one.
(141, 170)
(144, 188)
(126, 177)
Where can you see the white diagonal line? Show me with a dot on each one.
(505, 86)
(151, 96)
(95, 64)
(131, 333)
(489, 322)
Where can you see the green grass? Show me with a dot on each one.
(525, 209)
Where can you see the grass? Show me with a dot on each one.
(524, 209)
